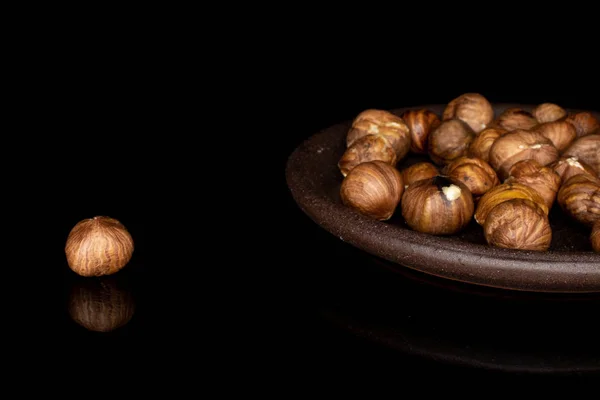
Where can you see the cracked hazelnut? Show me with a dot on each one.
(548, 112)
(560, 133)
(520, 145)
(542, 179)
(438, 206)
(579, 197)
(567, 166)
(480, 146)
(518, 224)
(450, 140)
(584, 122)
(515, 118)
(475, 173)
(471, 108)
(595, 236)
(418, 171)
(373, 188)
(420, 123)
(586, 149)
(504, 192)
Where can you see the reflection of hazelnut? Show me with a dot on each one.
(505, 192)
(586, 149)
(518, 224)
(567, 166)
(595, 236)
(579, 197)
(472, 108)
(548, 112)
(373, 188)
(450, 140)
(475, 173)
(520, 145)
(480, 147)
(584, 122)
(560, 133)
(438, 206)
(420, 123)
(515, 118)
(543, 179)
(418, 171)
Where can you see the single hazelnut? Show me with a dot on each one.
(515, 118)
(480, 147)
(373, 188)
(595, 236)
(586, 149)
(450, 140)
(100, 304)
(420, 123)
(560, 133)
(518, 224)
(548, 112)
(472, 108)
(584, 122)
(367, 148)
(475, 173)
(567, 166)
(579, 197)
(542, 179)
(438, 206)
(503, 192)
(520, 145)
(98, 246)
(418, 171)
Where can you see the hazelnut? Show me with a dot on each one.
(418, 171)
(560, 133)
(579, 197)
(542, 179)
(567, 166)
(472, 108)
(586, 149)
(475, 173)
(98, 246)
(503, 192)
(420, 123)
(595, 236)
(518, 224)
(450, 140)
(548, 112)
(584, 122)
(520, 145)
(367, 148)
(373, 188)
(438, 206)
(480, 147)
(515, 118)
(100, 304)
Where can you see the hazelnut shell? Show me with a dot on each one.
(505, 192)
(515, 118)
(548, 112)
(449, 141)
(472, 108)
(418, 171)
(584, 122)
(567, 166)
(586, 149)
(542, 179)
(579, 197)
(475, 173)
(560, 133)
(480, 146)
(367, 148)
(420, 124)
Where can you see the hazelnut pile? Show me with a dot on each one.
(504, 171)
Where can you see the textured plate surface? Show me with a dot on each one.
(314, 181)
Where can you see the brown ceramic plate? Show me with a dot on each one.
(314, 181)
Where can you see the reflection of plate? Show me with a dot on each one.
(314, 181)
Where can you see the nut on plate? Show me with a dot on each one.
(420, 123)
(518, 224)
(560, 133)
(472, 108)
(450, 140)
(480, 147)
(548, 112)
(437, 206)
(373, 188)
(579, 197)
(567, 166)
(542, 179)
(515, 118)
(584, 122)
(98, 246)
(418, 171)
(505, 192)
(519, 145)
(586, 149)
(475, 173)
(595, 236)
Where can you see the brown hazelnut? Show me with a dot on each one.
(450, 140)
(518, 224)
(98, 246)
(515, 118)
(586, 149)
(373, 188)
(472, 108)
(480, 147)
(100, 304)
(520, 145)
(542, 179)
(584, 122)
(579, 197)
(367, 148)
(595, 236)
(567, 166)
(475, 173)
(548, 112)
(418, 171)
(420, 123)
(438, 206)
(503, 192)
(560, 133)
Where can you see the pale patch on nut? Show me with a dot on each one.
(535, 146)
(451, 192)
(574, 162)
(373, 129)
(393, 124)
